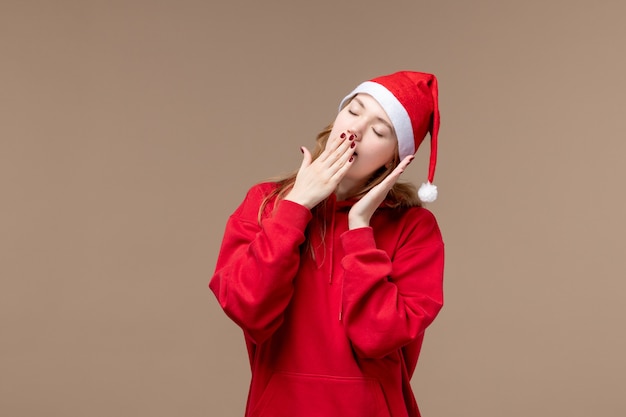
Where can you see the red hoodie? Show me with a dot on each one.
(336, 334)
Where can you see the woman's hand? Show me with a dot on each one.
(362, 211)
(317, 179)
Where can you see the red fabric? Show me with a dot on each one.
(418, 92)
(338, 335)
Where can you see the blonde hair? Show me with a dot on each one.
(401, 195)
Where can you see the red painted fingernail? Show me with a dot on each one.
(351, 159)
(343, 135)
(351, 137)
(301, 150)
(352, 145)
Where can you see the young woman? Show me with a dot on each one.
(334, 272)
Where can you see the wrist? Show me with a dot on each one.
(355, 223)
(298, 200)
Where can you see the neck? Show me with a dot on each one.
(346, 188)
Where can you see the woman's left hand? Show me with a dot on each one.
(362, 211)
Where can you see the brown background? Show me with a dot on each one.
(131, 129)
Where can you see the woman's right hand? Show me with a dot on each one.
(317, 179)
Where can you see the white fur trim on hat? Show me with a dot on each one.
(397, 114)
(427, 192)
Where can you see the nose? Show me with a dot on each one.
(357, 132)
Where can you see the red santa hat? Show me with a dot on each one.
(410, 99)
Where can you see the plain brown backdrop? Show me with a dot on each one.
(130, 130)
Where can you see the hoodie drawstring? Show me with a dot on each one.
(332, 243)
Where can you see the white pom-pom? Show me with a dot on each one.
(427, 192)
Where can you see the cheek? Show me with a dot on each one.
(340, 124)
(384, 151)
(336, 131)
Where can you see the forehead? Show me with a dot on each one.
(370, 104)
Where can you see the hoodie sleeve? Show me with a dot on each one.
(388, 303)
(253, 279)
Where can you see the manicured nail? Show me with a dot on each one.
(351, 159)
(351, 137)
(343, 135)
(301, 150)
(352, 145)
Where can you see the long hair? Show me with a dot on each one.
(401, 195)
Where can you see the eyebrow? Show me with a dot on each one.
(377, 118)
